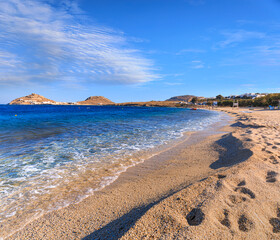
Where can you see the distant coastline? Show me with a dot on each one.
(271, 100)
(36, 99)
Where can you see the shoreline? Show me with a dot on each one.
(212, 189)
(139, 157)
(160, 157)
(150, 164)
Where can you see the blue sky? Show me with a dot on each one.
(138, 50)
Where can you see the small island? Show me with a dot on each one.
(36, 99)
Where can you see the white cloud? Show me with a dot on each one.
(44, 43)
(259, 55)
(173, 83)
(238, 36)
(259, 48)
(268, 55)
(8, 60)
(197, 64)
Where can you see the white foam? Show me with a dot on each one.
(61, 161)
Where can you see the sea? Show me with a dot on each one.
(52, 156)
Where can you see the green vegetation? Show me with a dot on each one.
(194, 100)
(219, 97)
(270, 99)
(265, 101)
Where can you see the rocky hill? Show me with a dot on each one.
(32, 99)
(96, 100)
(184, 98)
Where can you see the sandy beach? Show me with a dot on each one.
(218, 184)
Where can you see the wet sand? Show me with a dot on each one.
(221, 186)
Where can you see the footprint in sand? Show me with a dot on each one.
(275, 222)
(244, 224)
(219, 182)
(248, 140)
(242, 183)
(246, 191)
(271, 176)
(220, 176)
(195, 217)
(236, 199)
(226, 221)
(273, 160)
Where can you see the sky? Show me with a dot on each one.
(138, 50)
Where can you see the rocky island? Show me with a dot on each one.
(96, 100)
(36, 99)
(32, 99)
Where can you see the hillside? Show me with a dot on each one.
(32, 99)
(96, 100)
(184, 98)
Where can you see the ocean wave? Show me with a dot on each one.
(60, 155)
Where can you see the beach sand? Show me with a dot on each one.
(221, 186)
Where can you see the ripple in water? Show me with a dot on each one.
(51, 156)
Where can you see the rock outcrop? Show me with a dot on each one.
(32, 99)
(36, 99)
(96, 100)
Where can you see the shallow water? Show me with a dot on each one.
(51, 156)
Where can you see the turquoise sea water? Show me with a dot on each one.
(54, 155)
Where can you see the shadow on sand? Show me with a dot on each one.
(242, 125)
(231, 152)
(117, 228)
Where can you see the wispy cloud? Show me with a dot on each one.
(259, 55)
(197, 64)
(234, 37)
(257, 48)
(268, 55)
(40, 42)
(173, 75)
(190, 50)
(173, 83)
